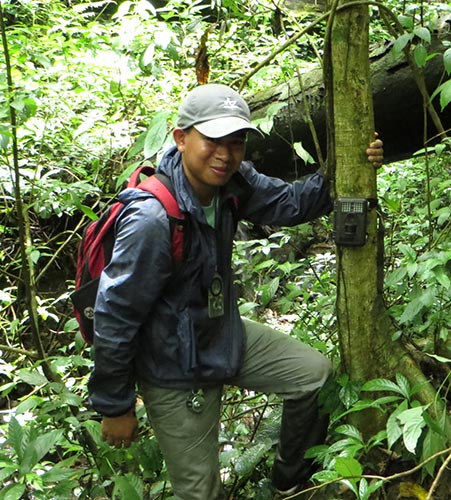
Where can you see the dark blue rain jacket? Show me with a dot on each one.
(151, 316)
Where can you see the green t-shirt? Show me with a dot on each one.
(210, 212)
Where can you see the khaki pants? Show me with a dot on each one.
(273, 363)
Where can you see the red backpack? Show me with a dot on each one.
(96, 246)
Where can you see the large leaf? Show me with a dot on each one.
(12, 492)
(15, 437)
(37, 449)
(445, 94)
(432, 444)
(350, 468)
(447, 60)
(350, 430)
(269, 290)
(32, 377)
(383, 384)
(251, 457)
(156, 134)
(423, 33)
(413, 422)
(129, 487)
(401, 42)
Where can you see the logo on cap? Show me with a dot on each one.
(230, 104)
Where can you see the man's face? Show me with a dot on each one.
(209, 163)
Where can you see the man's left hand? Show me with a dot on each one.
(375, 152)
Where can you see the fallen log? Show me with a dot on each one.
(398, 108)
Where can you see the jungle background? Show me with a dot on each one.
(88, 91)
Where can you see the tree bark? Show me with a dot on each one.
(365, 330)
(398, 112)
(351, 126)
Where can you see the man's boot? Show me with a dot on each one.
(302, 427)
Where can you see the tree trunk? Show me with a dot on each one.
(351, 126)
(365, 330)
(398, 110)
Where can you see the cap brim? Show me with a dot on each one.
(226, 125)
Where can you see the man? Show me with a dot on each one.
(177, 333)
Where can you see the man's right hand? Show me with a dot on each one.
(120, 431)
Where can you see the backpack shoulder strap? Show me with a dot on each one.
(160, 186)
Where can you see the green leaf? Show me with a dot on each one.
(269, 290)
(349, 394)
(266, 123)
(373, 487)
(29, 404)
(363, 489)
(423, 33)
(411, 310)
(420, 55)
(68, 398)
(447, 60)
(347, 447)
(403, 384)
(70, 325)
(12, 492)
(32, 377)
(94, 429)
(406, 21)
(6, 471)
(432, 444)
(383, 384)
(29, 460)
(5, 136)
(408, 251)
(348, 467)
(396, 276)
(88, 211)
(394, 204)
(401, 42)
(394, 430)
(46, 442)
(62, 471)
(303, 153)
(441, 359)
(247, 462)
(15, 436)
(442, 277)
(156, 134)
(149, 455)
(126, 487)
(350, 430)
(247, 307)
(445, 94)
(138, 146)
(443, 215)
(412, 421)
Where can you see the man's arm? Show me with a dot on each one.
(129, 286)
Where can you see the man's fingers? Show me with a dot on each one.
(375, 153)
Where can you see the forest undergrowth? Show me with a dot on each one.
(94, 93)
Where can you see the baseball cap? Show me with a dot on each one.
(215, 110)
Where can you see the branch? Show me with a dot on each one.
(15, 350)
(304, 31)
(281, 49)
(22, 217)
(439, 475)
(393, 477)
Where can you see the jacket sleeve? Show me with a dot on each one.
(129, 286)
(274, 201)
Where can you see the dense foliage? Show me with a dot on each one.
(93, 91)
